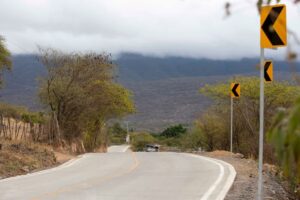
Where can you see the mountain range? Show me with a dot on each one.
(166, 89)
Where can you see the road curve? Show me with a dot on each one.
(118, 148)
(125, 176)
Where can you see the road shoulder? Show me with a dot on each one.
(224, 181)
(245, 184)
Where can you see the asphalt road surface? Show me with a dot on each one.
(125, 175)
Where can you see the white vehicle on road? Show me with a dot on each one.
(152, 148)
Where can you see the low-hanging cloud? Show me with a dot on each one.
(193, 28)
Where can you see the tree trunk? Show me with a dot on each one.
(57, 129)
(97, 134)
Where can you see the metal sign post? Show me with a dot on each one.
(235, 93)
(231, 124)
(261, 126)
(273, 34)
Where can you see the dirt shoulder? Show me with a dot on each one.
(17, 158)
(245, 185)
(62, 156)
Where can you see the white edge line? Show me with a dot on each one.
(64, 165)
(217, 182)
(123, 150)
(229, 181)
(126, 148)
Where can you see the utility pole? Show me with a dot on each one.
(127, 130)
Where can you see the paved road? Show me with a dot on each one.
(117, 149)
(125, 176)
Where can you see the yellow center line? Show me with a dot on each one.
(89, 183)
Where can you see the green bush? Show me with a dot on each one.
(193, 140)
(174, 131)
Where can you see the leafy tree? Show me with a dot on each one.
(81, 94)
(114, 101)
(246, 111)
(174, 131)
(5, 62)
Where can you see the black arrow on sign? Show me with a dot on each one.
(268, 28)
(267, 77)
(234, 90)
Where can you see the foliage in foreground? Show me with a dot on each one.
(285, 136)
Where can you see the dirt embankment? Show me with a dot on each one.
(245, 185)
(18, 158)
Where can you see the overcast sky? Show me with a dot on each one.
(193, 28)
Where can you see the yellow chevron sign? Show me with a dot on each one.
(273, 32)
(268, 71)
(235, 90)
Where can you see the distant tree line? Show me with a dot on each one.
(173, 137)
